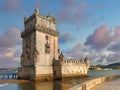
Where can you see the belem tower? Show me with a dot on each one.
(41, 58)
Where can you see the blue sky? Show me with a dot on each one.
(89, 27)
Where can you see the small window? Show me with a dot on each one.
(46, 37)
(58, 51)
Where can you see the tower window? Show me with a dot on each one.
(58, 51)
(47, 48)
(47, 37)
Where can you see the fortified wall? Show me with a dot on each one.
(70, 67)
(41, 58)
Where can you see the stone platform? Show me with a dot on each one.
(109, 85)
(102, 83)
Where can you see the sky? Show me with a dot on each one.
(87, 27)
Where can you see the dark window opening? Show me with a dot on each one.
(58, 51)
(47, 37)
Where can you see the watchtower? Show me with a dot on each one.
(39, 47)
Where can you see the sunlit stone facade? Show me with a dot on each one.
(41, 58)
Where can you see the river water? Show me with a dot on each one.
(57, 85)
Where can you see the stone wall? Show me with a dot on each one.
(40, 46)
(91, 83)
(69, 68)
(27, 68)
(47, 47)
(73, 68)
(47, 22)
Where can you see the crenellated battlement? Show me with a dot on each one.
(45, 24)
(49, 17)
(72, 60)
(70, 67)
(65, 60)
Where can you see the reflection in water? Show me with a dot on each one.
(51, 85)
(26, 86)
(43, 86)
(58, 85)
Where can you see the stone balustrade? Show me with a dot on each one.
(91, 83)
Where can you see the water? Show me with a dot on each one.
(57, 85)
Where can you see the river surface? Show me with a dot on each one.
(57, 85)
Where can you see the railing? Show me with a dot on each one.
(8, 75)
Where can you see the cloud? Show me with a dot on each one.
(100, 38)
(10, 48)
(99, 57)
(114, 47)
(65, 3)
(71, 13)
(11, 6)
(103, 37)
(104, 57)
(8, 57)
(10, 38)
(9, 54)
(115, 57)
(104, 45)
(74, 51)
(38, 3)
(76, 12)
(65, 38)
(116, 33)
(8, 62)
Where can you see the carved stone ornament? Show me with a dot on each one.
(38, 26)
(47, 47)
(28, 47)
(36, 53)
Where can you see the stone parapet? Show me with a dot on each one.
(91, 83)
(44, 30)
(49, 31)
(48, 18)
(73, 61)
(29, 19)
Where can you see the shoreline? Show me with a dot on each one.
(87, 85)
(13, 81)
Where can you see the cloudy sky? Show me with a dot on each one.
(87, 27)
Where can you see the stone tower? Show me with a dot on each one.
(40, 47)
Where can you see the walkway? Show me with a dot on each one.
(109, 85)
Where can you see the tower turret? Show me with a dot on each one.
(40, 47)
(87, 62)
(37, 10)
(61, 57)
